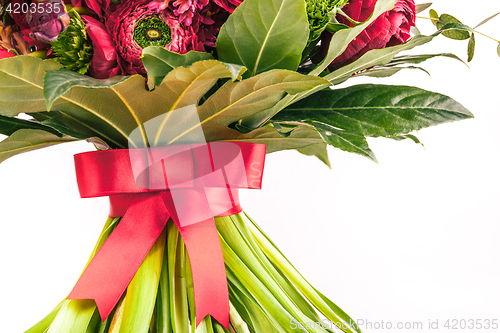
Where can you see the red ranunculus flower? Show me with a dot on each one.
(125, 29)
(389, 29)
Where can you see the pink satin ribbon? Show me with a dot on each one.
(188, 183)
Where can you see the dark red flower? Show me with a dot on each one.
(389, 29)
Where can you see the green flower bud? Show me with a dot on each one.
(73, 47)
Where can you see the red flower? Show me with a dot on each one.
(5, 54)
(389, 29)
(125, 29)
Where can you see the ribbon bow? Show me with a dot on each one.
(190, 183)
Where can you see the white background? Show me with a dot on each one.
(414, 238)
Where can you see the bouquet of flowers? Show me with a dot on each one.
(182, 100)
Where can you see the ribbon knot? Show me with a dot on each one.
(190, 184)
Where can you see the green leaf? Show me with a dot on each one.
(25, 140)
(387, 71)
(318, 150)
(445, 19)
(421, 7)
(343, 140)
(158, 62)
(235, 100)
(57, 83)
(300, 137)
(320, 302)
(74, 317)
(434, 16)
(382, 57)
(406, 137)
(417, 59)
(9, 125)
(498, 50)
(140, 299)
(471, 47)
(487, 20)
(376, 110)
(115, 111)
(21, 84)
(264, 35)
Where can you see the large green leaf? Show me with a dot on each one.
(376, 110)
(9, 125)
(264, 35)
(21, 84)
(158, 62)
(235, 100)
(127, 105)
(25, 140)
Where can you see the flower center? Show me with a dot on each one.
(152, 31)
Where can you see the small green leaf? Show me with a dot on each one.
(25, 140)
(346, 141)
(264, 34)
(498, 50)
(445, 19)
(406, 137)
(319, 150)
(434, 16)
(421, 7)
(486, 20)
(158, 62)
(471, 47)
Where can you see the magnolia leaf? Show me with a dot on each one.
(487, 20)
(346, 141)
(21, 84)
(235, 100)
(158, 62)
(376, 110)
(9, 125)
(471, 47)
(445, 19)
(57, 83)
(421, 7)
(319, 150)
(300, 137)
(264, 34)
(115, 111)
(25, 140)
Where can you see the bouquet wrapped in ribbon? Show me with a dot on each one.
(183, 100)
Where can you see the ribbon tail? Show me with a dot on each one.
(209, 272)
(115, 264)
